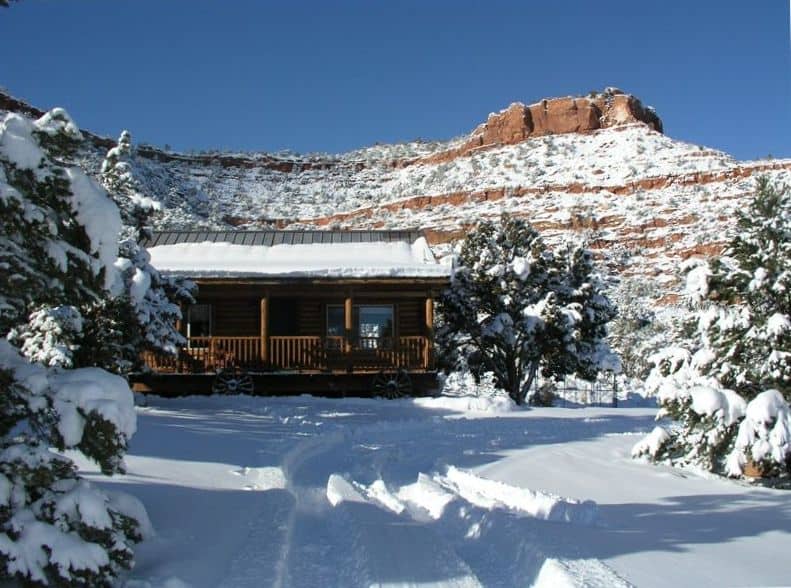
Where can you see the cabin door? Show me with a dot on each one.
(283, 317)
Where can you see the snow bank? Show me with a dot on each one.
(490, 494)
(210, 259)
(490, 404)
(426, 494)
(434, 493)
(577, 573)
(339, 490)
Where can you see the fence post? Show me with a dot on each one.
(614, 390)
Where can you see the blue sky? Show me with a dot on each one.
(336, 75)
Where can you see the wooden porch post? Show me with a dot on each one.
(347, 323)
(265, 329)
(429, 328)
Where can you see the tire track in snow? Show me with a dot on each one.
(356, 543)
(360, 540)
(256, 564)
(290, 565)
(264, 557)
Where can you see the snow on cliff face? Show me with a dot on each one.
(207, 193)
(645, 200)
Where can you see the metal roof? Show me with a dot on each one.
(289, 237)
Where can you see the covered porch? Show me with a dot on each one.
(322, 326)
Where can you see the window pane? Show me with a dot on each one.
(375, 326)
(199, 320)
(335, 320)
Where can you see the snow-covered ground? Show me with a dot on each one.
(443, 492)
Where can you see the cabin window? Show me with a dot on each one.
(335, 322)
(335, 325)
(374, 326)
(199, 320)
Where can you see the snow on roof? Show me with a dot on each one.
(296, 254)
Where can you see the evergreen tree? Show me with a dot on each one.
(747, 326)
(515, 307)
(728, 385)
(151, 298)
(58, 245)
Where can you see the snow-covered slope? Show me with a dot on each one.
(645, 200)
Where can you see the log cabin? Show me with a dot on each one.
(334, 312)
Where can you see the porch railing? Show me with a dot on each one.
(309, 353)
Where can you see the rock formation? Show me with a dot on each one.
(554, 116)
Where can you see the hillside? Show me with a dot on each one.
(597, 165)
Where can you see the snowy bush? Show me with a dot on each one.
(54, 527)
(706, 419)
(728, 387)
(58, 245)
(764, 437)
(514, 306)
(462, 382)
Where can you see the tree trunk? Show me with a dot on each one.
(512, 375)
(521, 393)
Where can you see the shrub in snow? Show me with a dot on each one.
(706, 419)
(764, 437)
(118, 179)
(461, 382)
(54, 527)
(58, 244)
(514, 306)
(728, 391)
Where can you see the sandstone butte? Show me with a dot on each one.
(553, 116)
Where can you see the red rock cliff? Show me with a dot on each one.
(555, 116)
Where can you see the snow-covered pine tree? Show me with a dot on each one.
(153, 298)
(118, 179)
(728, 387)
(515, 307)
(58, 245)
(588, 311)
(747, 327)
